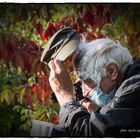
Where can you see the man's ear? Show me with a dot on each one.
(90, 83)
(112, 70)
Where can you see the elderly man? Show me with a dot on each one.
(107, 69)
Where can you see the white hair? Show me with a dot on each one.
(98, 54)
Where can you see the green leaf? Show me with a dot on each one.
(11, 98)
(48, 115)
(38, 113)
(42, 117)
(4, 94)
(21, 94)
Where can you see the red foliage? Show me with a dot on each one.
(34, 88)
(50, 30)
(97, 16)
(26, 54)
(29, 99)
(67, 21)
(39, 28)
(39, 96)
(54, 119)
(47, 95)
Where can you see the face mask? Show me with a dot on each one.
(99, 97)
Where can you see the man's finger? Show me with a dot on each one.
(59, 65)
(52, 65)
(52, 69)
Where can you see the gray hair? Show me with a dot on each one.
(95, 55)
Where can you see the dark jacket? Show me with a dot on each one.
(119, 118)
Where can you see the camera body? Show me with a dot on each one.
(78, 93)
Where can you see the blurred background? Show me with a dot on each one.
(25, 29)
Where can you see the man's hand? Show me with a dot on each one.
(60, 82)
(86, 89)
(90, 106)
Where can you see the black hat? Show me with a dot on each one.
(61, 45)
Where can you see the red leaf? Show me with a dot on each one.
(37, 66)
(18, 61)
(27, 61)
(34, 88)
(55, 119)
(39, 95)
(47, 95)
(39, 28)
(50, 30)
(29, 99)
(44, 36)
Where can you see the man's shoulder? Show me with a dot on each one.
(127, 94)
(129, 86)
(133, 69)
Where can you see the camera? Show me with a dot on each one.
(78, 93)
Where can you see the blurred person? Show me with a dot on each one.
(113, 83)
